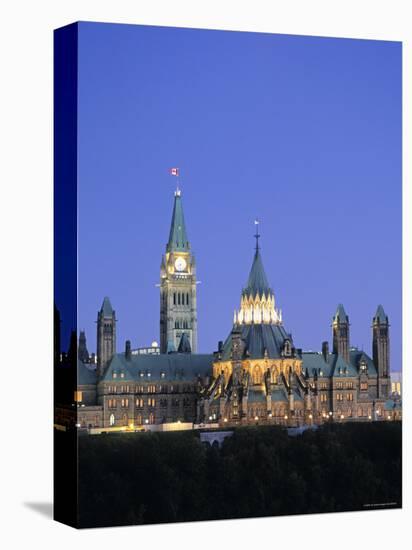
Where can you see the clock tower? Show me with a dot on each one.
(178, 309)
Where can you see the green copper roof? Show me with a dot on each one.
(257, 282)
(340, 314)
(259, 339)
(184, 344)
(153, 368)
(85, 376)
(107, 309)
(178, 241)
(380, 315)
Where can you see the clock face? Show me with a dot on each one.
(180, 264)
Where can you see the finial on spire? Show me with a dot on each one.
(257, 234)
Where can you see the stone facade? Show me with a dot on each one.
(257, 375)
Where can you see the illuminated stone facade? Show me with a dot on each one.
(257, 376)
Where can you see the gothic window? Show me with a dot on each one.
(364, 386)
(139, 419)
(176, 324)
(257, 379)
(178, 298)
(349, 396)
(111, 420)
(151, 418)
(187, 299)
(174, 298)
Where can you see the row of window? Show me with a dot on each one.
(341, 385)
(151, 402)
(180, 298)
(151, 388)
(349, 397)
(181, 324)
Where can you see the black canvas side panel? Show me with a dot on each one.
(65, 273)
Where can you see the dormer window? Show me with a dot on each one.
(114, 374)
(122, 374)
(287, 348)
(363, 366)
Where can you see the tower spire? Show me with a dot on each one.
(178, 240)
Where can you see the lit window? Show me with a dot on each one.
(122, 374)
(114, 374)
(78, 396)
(111, 420)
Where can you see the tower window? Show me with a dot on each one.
(178, 298)
(187, 298)
(174, 298)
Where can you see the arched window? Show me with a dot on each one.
(174, 298)
(257, 377)
(111, 420)
(187, 299)
(178, 298)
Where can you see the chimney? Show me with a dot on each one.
(325, 350)
(128, 350)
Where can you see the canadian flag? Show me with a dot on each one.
(174, 171)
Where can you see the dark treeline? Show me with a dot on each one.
(167, 477)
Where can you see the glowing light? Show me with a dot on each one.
(146, 421)
(286, 416)
(389, 417)
(210, 418)
(256, 418)
(270, 415)
(310, 416)
(342, 417)
(225, 420)
(370, 417)
(330, 413)
(131, 425)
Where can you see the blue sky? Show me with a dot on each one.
(302, 132)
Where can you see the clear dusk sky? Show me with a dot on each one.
(302, 132)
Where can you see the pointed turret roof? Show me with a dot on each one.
(106, 309)
(257, 282)
(340, 314)
(184, 344)
(380, 315)
(178, 241)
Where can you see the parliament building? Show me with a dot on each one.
(257, 375)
